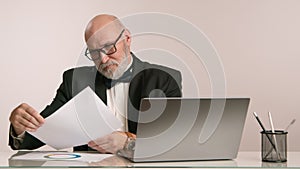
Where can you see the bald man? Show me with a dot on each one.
(119, 78)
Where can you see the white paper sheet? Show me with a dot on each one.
(61, 156)
(80, 120)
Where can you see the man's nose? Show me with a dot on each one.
(104, 59)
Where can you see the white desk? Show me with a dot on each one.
(244, 160)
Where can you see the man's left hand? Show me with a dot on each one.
(110, 143)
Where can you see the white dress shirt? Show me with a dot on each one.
(117, 99)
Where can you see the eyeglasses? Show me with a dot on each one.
(108, 49)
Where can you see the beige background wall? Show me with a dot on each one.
(257, 41)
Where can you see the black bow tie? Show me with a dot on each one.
(125, 78)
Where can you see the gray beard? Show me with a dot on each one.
(121, 68)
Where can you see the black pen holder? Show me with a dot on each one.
(274, 146)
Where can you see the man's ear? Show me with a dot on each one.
(127, 37)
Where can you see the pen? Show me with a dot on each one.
(271, 122)
(264, 130)
(291, 123)
(273, 133)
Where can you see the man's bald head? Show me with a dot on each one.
(103, 34)
(103, 21)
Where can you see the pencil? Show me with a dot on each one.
(273, 134)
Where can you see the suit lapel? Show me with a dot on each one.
(100, 88)
(135, 94)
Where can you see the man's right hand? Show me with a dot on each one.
(25, 118)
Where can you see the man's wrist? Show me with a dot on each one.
(16, 135)
(130, 142)
(17, 139)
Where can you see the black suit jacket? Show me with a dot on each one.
(148, 80)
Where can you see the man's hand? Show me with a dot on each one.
(110, 143)
(114, 161)
(25, 118)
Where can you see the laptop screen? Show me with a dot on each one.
(179, 129)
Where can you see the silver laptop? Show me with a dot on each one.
(184, 129)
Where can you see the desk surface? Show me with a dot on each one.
(244, 160)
